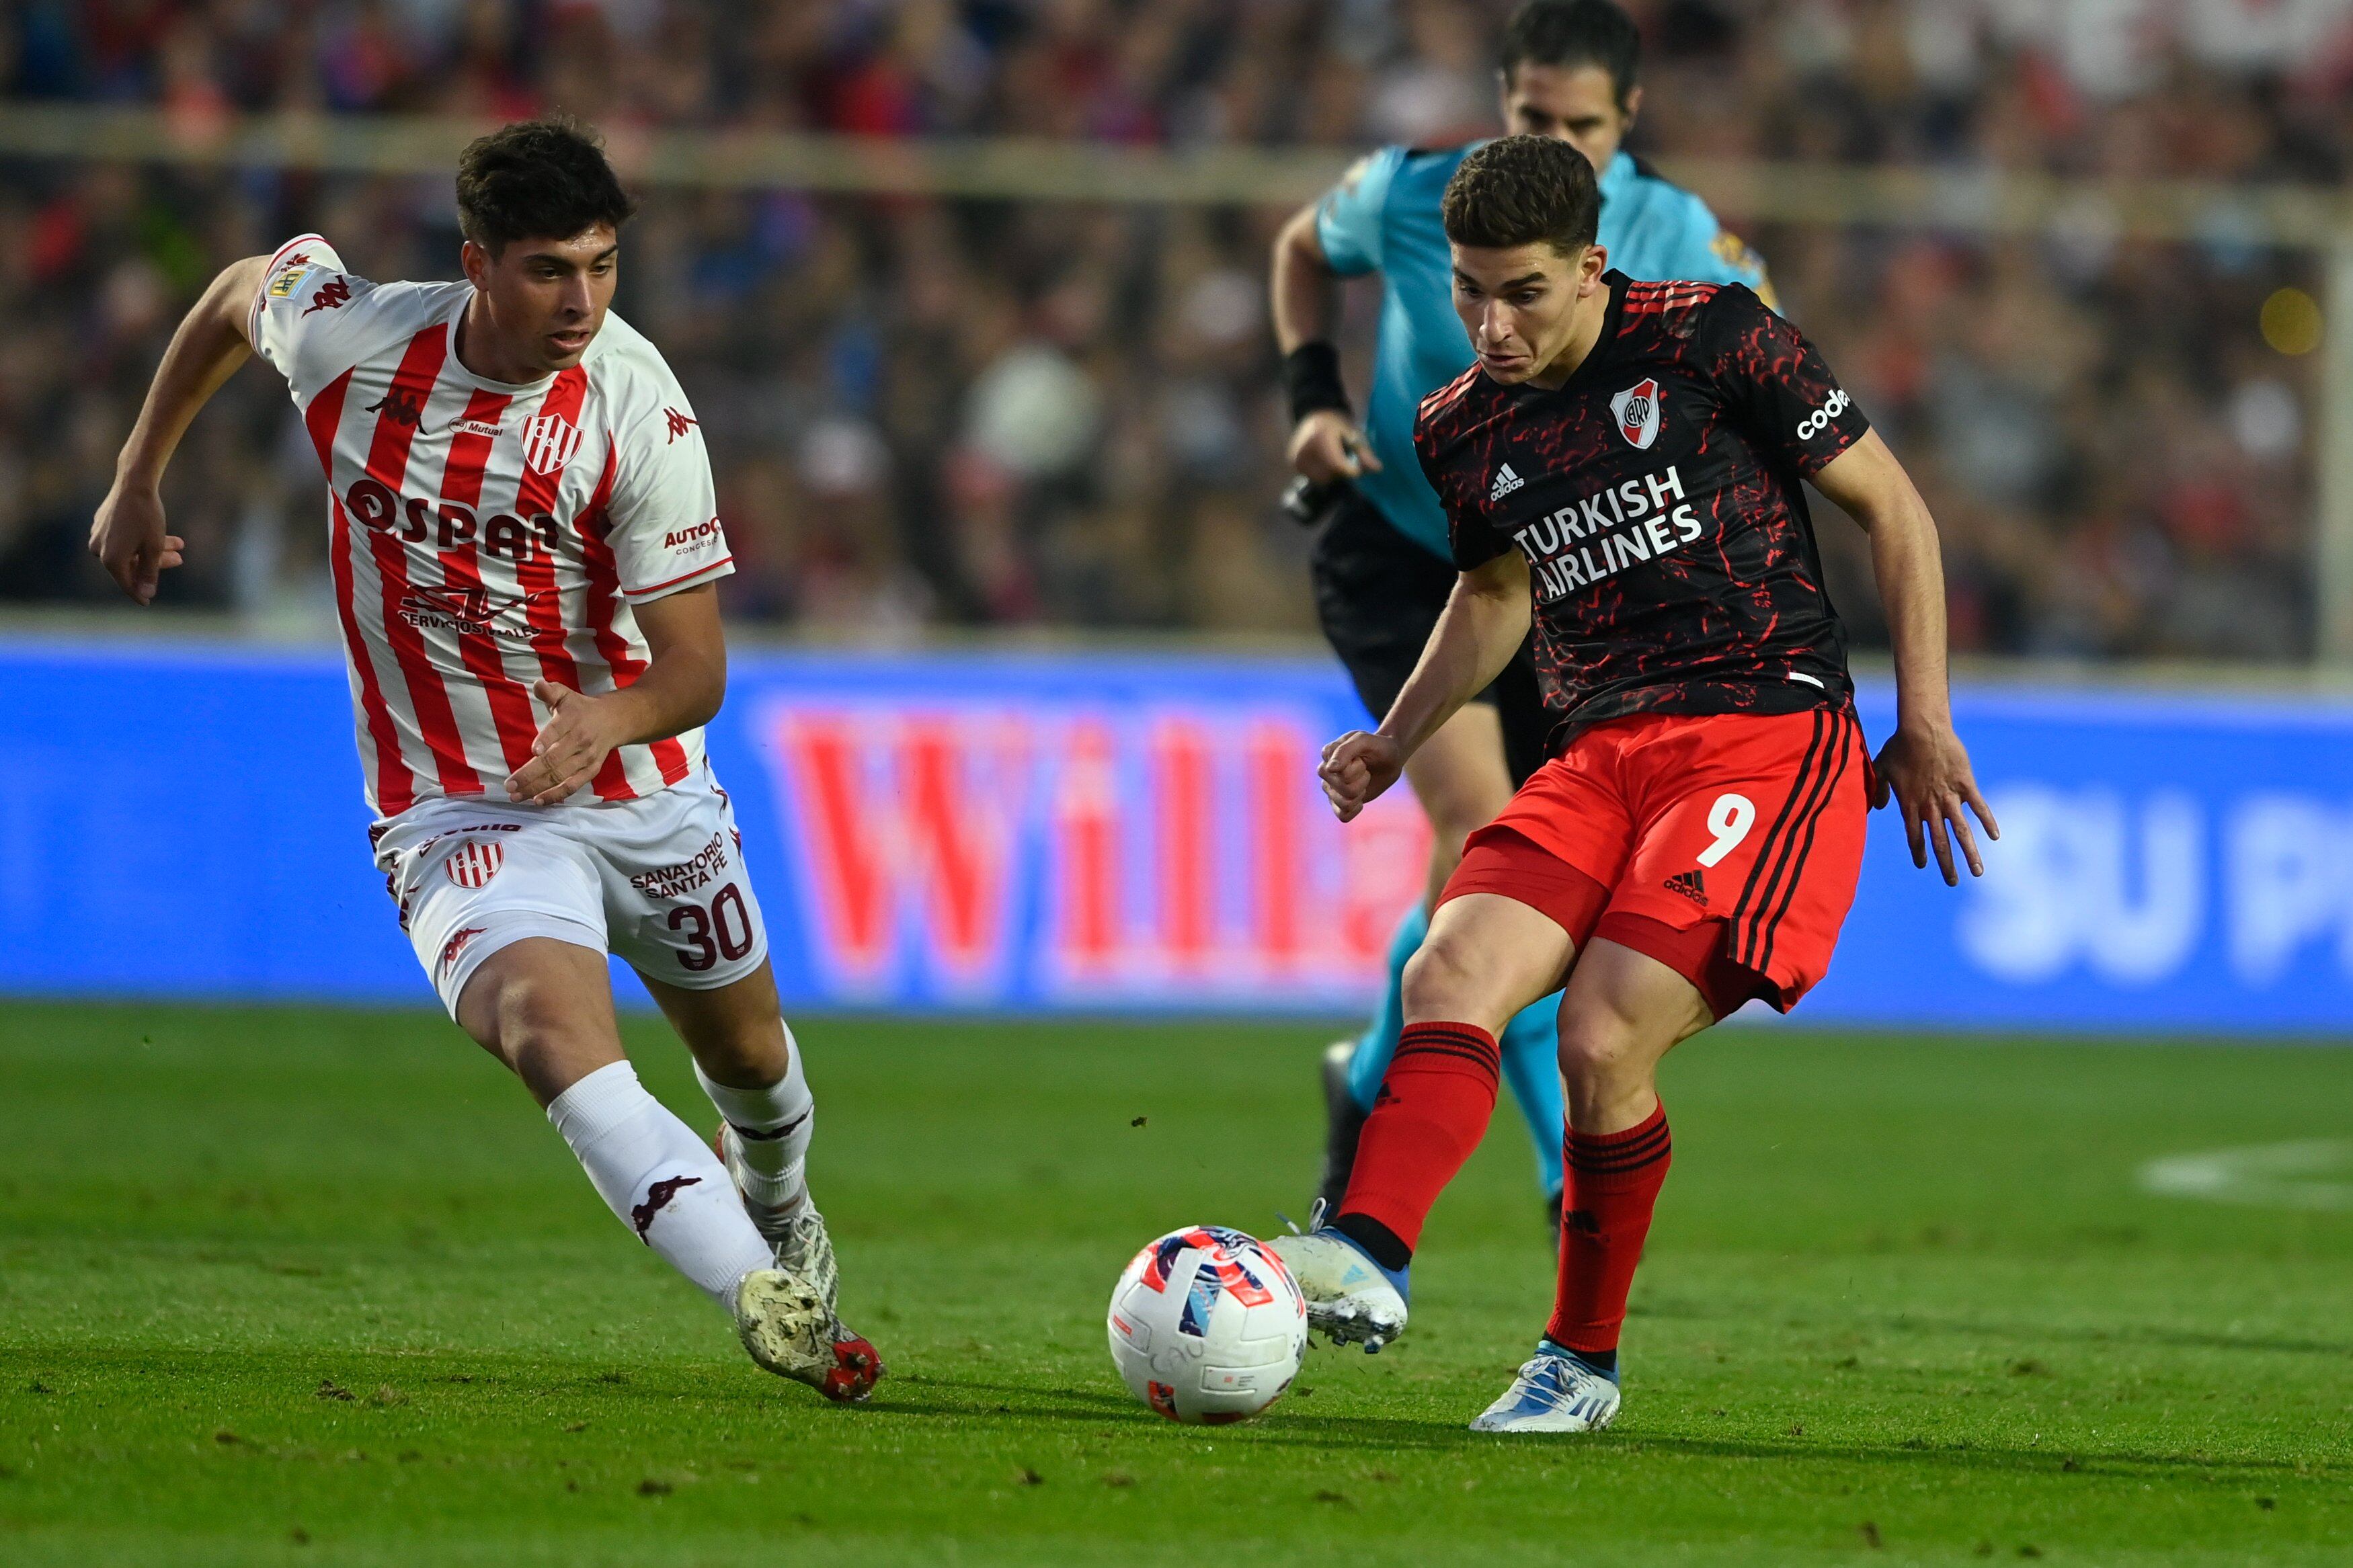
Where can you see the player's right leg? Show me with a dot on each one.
(506, 914)
(1458, 776)
(1487, 956)
(544, 1007)
(1377, 595)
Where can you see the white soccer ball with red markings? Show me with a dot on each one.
(1207, 1326)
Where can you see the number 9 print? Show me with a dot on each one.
(1730, 818)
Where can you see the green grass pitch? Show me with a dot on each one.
(294, 1287)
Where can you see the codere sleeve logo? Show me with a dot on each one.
(1814, 424)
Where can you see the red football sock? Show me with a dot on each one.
(1613, 1184)
(1432, 1109)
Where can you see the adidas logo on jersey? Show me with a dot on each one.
(1691, 885)
(1505, 483)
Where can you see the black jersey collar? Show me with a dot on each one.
(1605, 347)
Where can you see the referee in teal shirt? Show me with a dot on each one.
(1381, 562)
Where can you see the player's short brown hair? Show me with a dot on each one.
(1523, 190)
(537, 179)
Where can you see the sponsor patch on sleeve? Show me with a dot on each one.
(700, 540)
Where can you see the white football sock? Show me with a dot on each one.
(772, 1133)
(661, 1179)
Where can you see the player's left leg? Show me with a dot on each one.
(1740, 877)
(680, 905)
(1622, 1012)
(749, 1063)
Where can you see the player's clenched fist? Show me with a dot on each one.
(1356, 768)
(572, 746)
(129, 540)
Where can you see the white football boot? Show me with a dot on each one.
(1351, 1298)
(1555, 1391)
(786, 1315)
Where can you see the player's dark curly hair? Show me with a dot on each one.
(1523, 190)
(1575, 33)
(537, 179)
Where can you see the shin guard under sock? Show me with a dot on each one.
(773, 1127)
(1613, 1184)
(1432, 1109)
(659, 1179)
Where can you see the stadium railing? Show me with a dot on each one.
(1974, 201)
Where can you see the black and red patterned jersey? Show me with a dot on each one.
(1657, 497)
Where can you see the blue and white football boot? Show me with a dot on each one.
(1351, 1298)
(1557, 1390)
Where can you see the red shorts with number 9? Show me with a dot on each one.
(1725, 844)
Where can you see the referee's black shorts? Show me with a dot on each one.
(1378, 595)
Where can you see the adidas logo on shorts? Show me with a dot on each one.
(1505, 483)
(1691, 885)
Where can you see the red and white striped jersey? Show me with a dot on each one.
(486, 535)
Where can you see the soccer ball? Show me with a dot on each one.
(1207, 1326)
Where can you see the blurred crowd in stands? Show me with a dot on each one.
(930, 413)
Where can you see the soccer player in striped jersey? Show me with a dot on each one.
(524, 549)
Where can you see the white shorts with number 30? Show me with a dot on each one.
(658, 881)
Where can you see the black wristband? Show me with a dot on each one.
(1310, 374)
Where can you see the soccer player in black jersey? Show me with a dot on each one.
(1624, 466)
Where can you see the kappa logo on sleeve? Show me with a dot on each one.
(332, 296)
(1637, 413)
(679, 424)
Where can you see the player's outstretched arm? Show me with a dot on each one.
(1924, 765)
(683, 687)
(1327, 444)
(127, 535)
(1484, 623)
